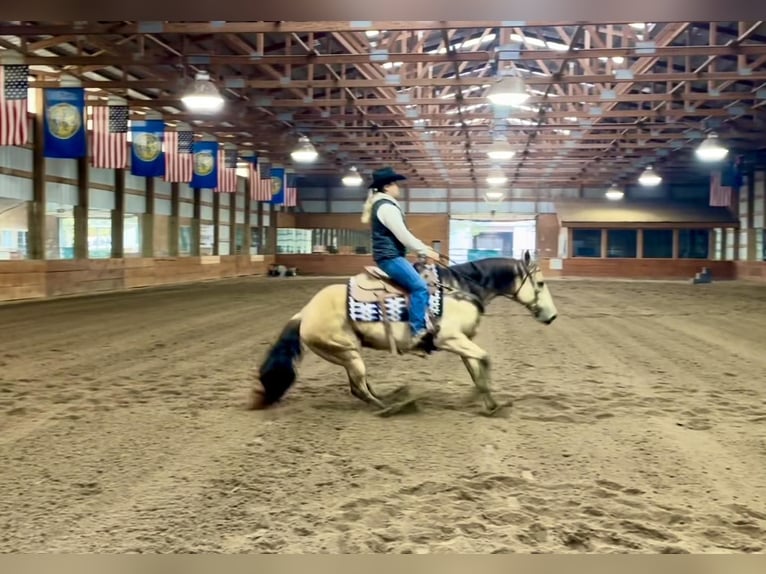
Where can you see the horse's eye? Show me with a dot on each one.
(541, 283)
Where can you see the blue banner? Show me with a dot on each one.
(146, 156)
(277, 185)
(64, 127)
(205, 165)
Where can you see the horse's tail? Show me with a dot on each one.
(277, 371)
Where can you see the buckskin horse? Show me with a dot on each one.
(371, 311)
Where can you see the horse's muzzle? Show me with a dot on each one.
(550, 320)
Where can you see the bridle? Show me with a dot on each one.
(527, 271)
(527, 274)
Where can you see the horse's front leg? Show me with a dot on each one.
(476, 361)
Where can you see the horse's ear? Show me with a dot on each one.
(527, 257)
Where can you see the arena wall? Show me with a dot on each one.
(231, 235)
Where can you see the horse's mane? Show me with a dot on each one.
(484, 278)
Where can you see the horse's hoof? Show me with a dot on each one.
(398, 394)
(255, 400)
(403, 407)
(495, 409)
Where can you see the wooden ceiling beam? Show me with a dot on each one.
(641, 65)
(284, 27)
(465, 81)
(593, 100)
(381, 117)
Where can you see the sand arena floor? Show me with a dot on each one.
(639, 425)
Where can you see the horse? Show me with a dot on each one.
(370, 311)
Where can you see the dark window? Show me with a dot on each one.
(693, 243)
(658, 243)
(621, 242)
(586, 243)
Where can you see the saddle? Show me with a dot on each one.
(373, 285)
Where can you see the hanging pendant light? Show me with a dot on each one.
(500, 150)
(352, 178)
(496, 177)
(614, 193)
(203, 96)
(509, 91)
(649, 178)
(710, 149)
(493, 196)
(305, 152)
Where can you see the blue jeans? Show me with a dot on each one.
(404, 274)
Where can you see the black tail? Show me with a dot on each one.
(277, 372)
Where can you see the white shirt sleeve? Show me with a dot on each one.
(390, 216)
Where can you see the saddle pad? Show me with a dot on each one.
(396, 306)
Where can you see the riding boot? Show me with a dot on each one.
(423, 341)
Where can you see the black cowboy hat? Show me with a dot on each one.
(384, 176)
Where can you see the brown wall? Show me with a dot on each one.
(347, 265)
(427, 228)
(547, 235)
(751, 270)
(41, 279)
(286, 220)
(646, 268)
(321, 264)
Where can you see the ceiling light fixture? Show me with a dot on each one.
(614, 193)
(496, 177)
(494, 196)
(352, 179)
(710, 149)
(649, 178)
(509, 91)
(500, 150)
(203, 96)
(305, 152)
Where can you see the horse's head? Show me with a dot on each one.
(529, 289)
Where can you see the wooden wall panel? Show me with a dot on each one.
(547, 235)
(428, 228)
(751, 270)
(646, 268)
(42, 279)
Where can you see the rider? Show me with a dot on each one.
(390, 241)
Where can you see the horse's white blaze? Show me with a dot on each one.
(548, 309)
(535, 287)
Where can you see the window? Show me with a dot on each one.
(586, 243)
(693, 243)
(621, 243)
(658, 243)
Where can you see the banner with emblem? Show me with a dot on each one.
(205, 165)
(277, 185)
(146, 156)
(64, 127)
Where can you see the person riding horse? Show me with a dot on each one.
(390, 241)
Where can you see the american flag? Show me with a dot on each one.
(260, 189)
(227, 170)
(720, 195)
(14, 127)
(110, 136)
(178, 156)
(291, 191)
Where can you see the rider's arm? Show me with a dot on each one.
(390, 216)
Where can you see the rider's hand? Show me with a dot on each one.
(433, 255)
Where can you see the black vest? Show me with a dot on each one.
(385, 245)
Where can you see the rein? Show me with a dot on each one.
(513, 296)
